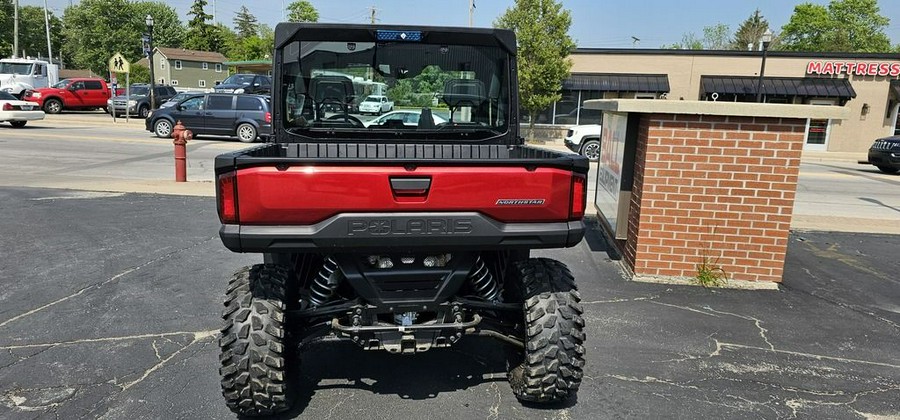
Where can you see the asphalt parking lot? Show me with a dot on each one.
(111, 303)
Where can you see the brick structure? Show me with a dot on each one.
(713, 187)
(710, 182)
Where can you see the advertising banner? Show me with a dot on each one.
(609, 171)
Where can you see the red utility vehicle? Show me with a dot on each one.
(398, 237)
(73, 93)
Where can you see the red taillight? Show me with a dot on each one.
(226, 197)
(268, 117)
(579, 196)
(7, 107)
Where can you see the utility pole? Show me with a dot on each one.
(214, 12)
(47, 25)
(471, 11)
(16, 29)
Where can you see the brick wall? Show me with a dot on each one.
(714, 185)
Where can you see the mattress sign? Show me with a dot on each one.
(856, 68)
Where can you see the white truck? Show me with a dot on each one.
(585, 140)
(376, 104)
(18, 75)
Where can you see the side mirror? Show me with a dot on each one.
(218, 83)
(180, 108)
(71, 87)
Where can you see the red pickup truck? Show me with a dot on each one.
(405, 235)
(74, 93)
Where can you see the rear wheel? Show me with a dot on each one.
(554, 339)
(591, 149)
(18, 124)
(252, 342)
(888, 169)
(144, 111)
(163, 128)
(52, 106)
(246, 133)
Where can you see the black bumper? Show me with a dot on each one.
(572, 146)
(884, 158)
(357, 232)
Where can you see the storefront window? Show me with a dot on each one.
(817, 132)
(569, 110)
(897, 121)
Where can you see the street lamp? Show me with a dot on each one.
(766, 39)
(149, 22)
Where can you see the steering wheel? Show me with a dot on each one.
(357, 123)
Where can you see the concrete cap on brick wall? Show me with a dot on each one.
(746, 109)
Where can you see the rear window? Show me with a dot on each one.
(216, 102)
(93, 85)
(249, 103)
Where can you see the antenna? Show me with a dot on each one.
(635, 41)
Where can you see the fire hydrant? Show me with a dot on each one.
(181, 137)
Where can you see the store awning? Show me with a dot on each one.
(655, 83)
(778, 86)
(895, 90)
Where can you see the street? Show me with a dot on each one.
(112, 295)
(88, 151)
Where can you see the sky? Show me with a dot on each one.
(595, 23)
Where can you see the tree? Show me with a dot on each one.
(6, 27)
(168, 31)
(689, 41)
(96, 29)
(750, 32)
(542, 29)
(245, 24)
(717, 37)
(200, 34)
(32, 35)
(302, 11)
(842, 26)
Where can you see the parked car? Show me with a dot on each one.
(885, 154)
(245, 83)
(375, 104)
(223, 114)
(138, 100)
(408, 117)
(74, 93)
(17, 112)
(584, 139)
(179, 97)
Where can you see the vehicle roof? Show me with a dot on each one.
(505, 38)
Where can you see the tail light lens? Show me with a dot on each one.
(579, 196)
(7, 107)
(268, 117)
(226, 197)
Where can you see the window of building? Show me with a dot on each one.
(202, 83)
(218, 68)
(162, 81)
(162, 64)
(174, 82)
(177, 64)
(897, 120)
(570, 109)
(205, 66)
